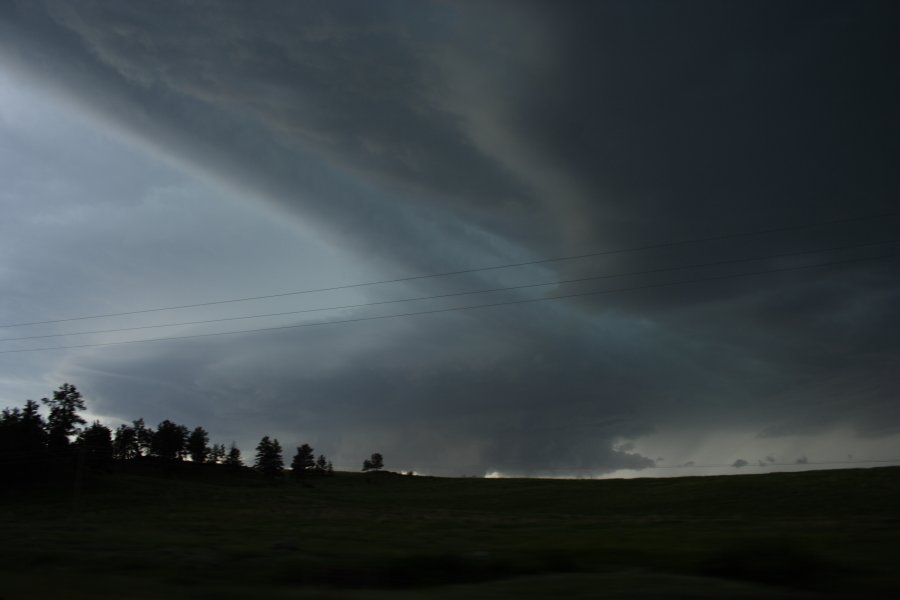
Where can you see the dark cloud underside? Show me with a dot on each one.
(424, 137)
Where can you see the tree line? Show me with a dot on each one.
(31, 445)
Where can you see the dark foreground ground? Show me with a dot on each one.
(154, 535)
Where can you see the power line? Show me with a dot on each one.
(455, 294)
(443, 310)
(720, 237)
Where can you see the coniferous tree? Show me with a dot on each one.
(34, 425)
(30, 428)
(23, 442)
(304, 461)
(376, 463)
(269, 461)
(329, 469)
(125, 443)
(198, 445)
(144, 437)
(96, 442)
(63, 420)
(217, 454)
(233, 458)
(169, 441)
(321, 464)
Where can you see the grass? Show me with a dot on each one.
(813, 534)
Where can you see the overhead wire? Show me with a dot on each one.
(496, 304)
(719, 237)
(457, 308)
(462, 293)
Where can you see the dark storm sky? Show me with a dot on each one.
(172, 153)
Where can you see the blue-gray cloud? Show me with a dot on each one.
(422, 137)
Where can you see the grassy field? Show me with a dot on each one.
(807, 535)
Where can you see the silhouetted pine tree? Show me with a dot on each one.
(376, 463)
(217, 454)
(33, 427)
(63, 420)
(144, 437)
(304, 461)
(24, 430)
(233, 458)
(169, 441)
(125, 443)
(321, 464)
(96, 442)
(198, 445)
(23, 442)
(268, 457)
